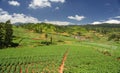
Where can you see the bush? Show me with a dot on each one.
(115, 37)
(46, 43)
(60, 41)
(14, 44)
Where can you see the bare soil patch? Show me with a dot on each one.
(61, 67)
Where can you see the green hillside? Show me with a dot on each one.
(47, 48)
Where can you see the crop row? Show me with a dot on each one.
(41, 59)
(86, 59)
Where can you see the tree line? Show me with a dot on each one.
(50, 28)
(103, 28)
(112, 31)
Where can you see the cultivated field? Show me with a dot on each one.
(66, 54)
(80, 58)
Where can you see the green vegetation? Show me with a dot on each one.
(85, 59)
(39, 59)
(42, 48)
(6, 34)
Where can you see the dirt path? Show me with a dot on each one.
(61, 68)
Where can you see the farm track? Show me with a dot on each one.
(61, 68)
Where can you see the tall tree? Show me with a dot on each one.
(1, 35)
(8, 33)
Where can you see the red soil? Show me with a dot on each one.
(20, 69)
(61, 68)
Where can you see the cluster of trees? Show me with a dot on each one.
(77, 30)
(114, 37)
(39, 27)
(6, 31)
(6, 34)
(72, 29)
(112, 31)
(103, 28)
(50, 28)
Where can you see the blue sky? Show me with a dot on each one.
(61, 11)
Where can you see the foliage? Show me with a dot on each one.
(83, 56)
(114, 36)
(50, 28)
(6, 34)
(103, 28)
(46, 43)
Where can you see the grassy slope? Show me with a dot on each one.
(83, 57)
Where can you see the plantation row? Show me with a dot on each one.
(87, 60)
(28, 65)
(81, 58)
(31, 60)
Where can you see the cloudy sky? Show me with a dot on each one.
(62, 12)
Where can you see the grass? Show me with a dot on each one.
(38, 58)
(80, 59)
(85, 59)
(83, 56)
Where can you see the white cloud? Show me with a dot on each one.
(4, 15)
(39, 4)
(76, 17)
(23, 18)
(111, 21)
(3, 12)
(16, 18)
(43, 3)
(117, 17)
(96, 22)
(14, 3)
(57, 22)
(57, 8)
(56, 1)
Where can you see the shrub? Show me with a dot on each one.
(46, 43)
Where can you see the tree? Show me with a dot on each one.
(8, 33)
(51, 39)
(46, 36)
(1, 35)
